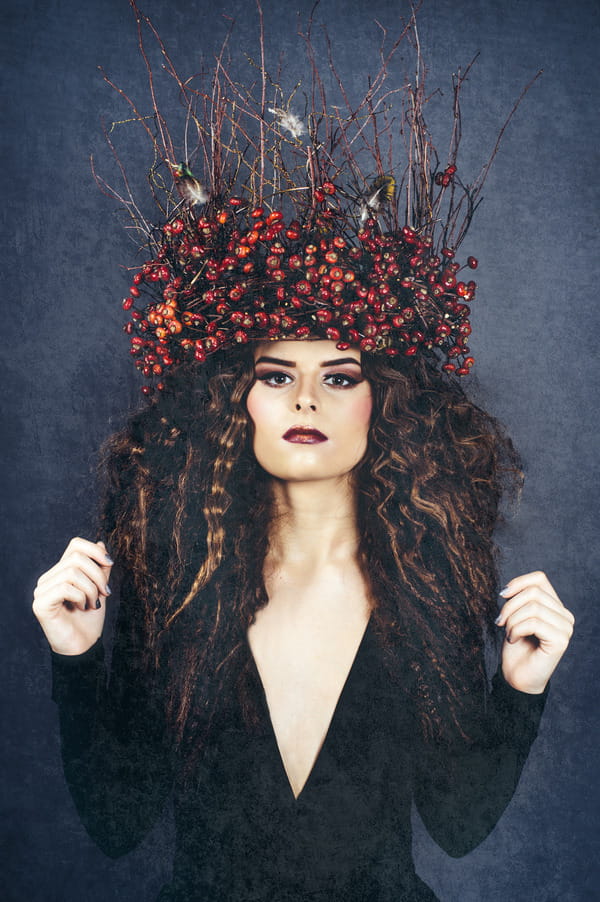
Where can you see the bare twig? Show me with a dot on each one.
(245, 153)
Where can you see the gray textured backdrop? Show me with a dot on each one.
(67, 380)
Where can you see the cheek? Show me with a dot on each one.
(360, 416)
(261, 411)
(253, 405)
(363, 410)
(358, 421)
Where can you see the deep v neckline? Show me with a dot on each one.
(335, 713)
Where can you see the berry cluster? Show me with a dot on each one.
(240, 274)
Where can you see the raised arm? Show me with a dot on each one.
(462, 791)
(116, 751)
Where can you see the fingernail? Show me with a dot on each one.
(108, 559)
(107, 590)
(505, 592)
(498, 619)
(98, 604)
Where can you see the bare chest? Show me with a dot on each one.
(303, 664)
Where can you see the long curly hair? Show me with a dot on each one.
(188, 508)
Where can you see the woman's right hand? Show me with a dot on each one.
(69, 598)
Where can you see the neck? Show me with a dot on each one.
(314, 523)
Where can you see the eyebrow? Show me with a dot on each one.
(337, 362)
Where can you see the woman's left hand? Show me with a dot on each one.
(538, 628)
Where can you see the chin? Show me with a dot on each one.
(308, 475)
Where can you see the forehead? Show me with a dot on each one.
(314, 351)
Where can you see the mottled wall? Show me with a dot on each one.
(67, 381)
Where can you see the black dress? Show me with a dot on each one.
(241, 834)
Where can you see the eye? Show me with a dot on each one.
(275, 378)
(341, 380)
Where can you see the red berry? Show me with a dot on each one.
(472, 262)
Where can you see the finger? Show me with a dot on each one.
(527, 596)
(100, 556)
(72, 576)
(526, 580)
(95, 550)
(49, 604)
(540, 614)
(552, 639)
(82, 551)
(78, 562)
(79, 570)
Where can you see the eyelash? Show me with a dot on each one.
(350, 380)
(269, 378)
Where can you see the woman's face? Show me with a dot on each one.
(311, 409)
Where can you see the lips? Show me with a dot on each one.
(304, 435)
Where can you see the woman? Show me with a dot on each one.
(324, 665)
(302, 516)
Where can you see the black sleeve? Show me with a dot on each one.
(462, 791)
(116, 754)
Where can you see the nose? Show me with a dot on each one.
(306, 398)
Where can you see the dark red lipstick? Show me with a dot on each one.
(304, 435)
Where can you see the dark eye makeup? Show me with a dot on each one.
(276, 377)
(279, 378)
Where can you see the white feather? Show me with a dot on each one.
(194, 192)
(289, 121)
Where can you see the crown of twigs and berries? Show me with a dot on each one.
(282, 226)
